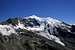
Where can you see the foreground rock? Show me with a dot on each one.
(27, 40)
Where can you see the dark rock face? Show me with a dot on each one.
(73, 28)
(30, 22)
(68, 38)
(22, 42)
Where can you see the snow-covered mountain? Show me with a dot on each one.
(44, 26)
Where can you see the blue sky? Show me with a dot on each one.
(60, 9)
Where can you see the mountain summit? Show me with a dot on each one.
(46, 28)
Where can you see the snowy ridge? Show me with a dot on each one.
(47, 19)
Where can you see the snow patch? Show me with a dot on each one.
(6, 30)
(51, 37)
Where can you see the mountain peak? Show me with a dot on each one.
(48, 19)
(46, 26)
